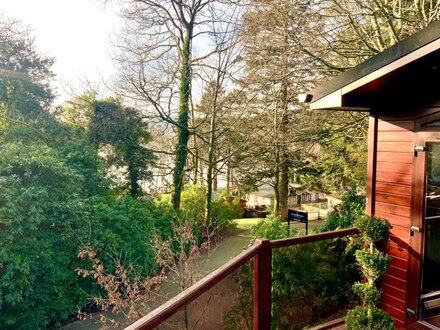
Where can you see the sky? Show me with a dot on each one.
(76, 33)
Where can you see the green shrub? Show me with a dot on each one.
(48, 210)
(42, 205)
(358, 319)
(367, 292)
(193, 207)
(345, 214)
(124, 227)
(193, 203)
(373, 229)
(373, 264)
(224, 212)
(271, 227)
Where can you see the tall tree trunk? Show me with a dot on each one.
(209, 194)
(215, 176)
(133, 175)
(276, 206)
(229, 174)
(233, 181)
(284, 187)
(195, 164)
(276, 187)
(183, 118)
(195, 158)
(211, 150)
(228, 179)
(201, 172)
(284, 158)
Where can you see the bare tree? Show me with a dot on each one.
(162, 44)
(220, 73)
(346, 32)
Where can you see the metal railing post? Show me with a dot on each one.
(262, 286)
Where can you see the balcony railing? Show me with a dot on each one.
(261, 253)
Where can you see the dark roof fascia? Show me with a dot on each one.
(400, 49)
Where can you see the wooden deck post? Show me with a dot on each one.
(262, 286)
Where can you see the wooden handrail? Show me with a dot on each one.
(163, 312)
(262, 251)
(285, 242)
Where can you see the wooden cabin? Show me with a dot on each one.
(400, 89)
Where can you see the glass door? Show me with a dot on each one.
(430, 289)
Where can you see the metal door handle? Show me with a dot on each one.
(410, 312)
(413, 229)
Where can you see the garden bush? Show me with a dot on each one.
(345, 214)
(373, 264)
(48, 210)
(271, 227)
(55, 198)
(193, 207)
(41, 208)
(224, 212)
(124, 227)
(359, 319)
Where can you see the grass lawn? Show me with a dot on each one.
(247, 223)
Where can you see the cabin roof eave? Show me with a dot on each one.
(333, 95)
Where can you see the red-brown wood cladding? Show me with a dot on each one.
(395, 146)
(395, 136)
(401, 232)
(395, 157)
(394, 166)
(395, 125)
(395, 178)
(394, 292)
(397, 272)
(398, 189)
(396, 314)
(393, 199)
(398, 249)
(395, 220)
(393, 209)
(392, 301)
(394, 282)
(399, 262)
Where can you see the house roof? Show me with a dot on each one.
(262, 194)
(414, 61)
(264, 190)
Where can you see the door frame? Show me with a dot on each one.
(415, 247)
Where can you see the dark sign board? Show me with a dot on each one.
(294, 215)
(300, 216)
